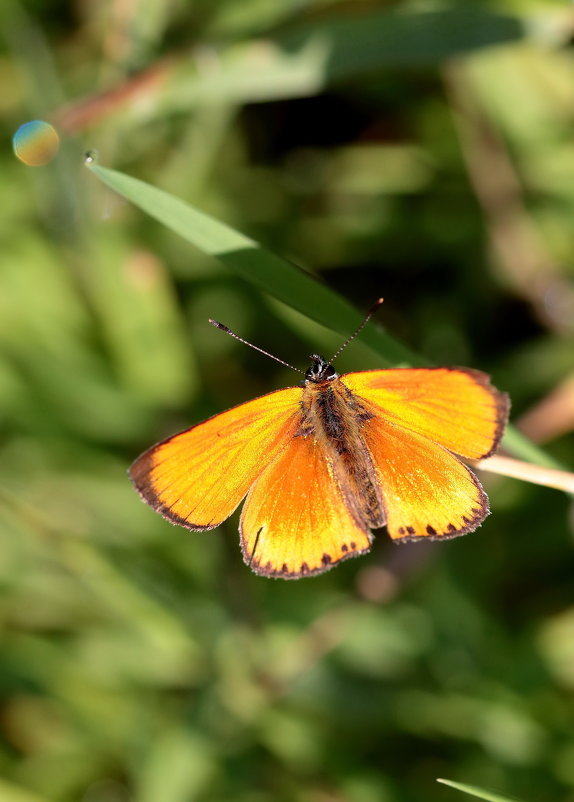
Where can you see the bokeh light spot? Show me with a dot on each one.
(36, 143)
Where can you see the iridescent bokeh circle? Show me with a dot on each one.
(36, 143)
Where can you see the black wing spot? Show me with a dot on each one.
(344, 547)
(401, 530)
(304, 568)
(353, 545)
(451, 528)
(431, 530)
(326, 559)
(411, 530)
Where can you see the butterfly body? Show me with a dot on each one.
(335, 418)
(322, 464)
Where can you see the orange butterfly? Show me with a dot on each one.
(324, 463)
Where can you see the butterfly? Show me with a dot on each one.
(323, 464)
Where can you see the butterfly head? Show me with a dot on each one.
(320, 370)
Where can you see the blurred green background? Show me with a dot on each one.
(415, 150)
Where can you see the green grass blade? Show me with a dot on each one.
(479, 793)
(245, 257)
(368, 41)
(520, 446)
(305, 58)
(268, 272)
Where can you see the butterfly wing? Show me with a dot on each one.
(294, 522)
(427, 492)
(456, 407)
(197, 478)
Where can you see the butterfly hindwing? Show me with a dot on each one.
(294, 522)
(427, 492)
(197, 478)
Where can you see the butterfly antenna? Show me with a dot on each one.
(368, 316)
(255, 347)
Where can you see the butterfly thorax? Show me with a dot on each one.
(335, 418)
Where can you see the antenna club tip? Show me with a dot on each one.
(218, 325)
(374, 308)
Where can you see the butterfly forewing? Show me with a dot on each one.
(197, 478)
(455, 407)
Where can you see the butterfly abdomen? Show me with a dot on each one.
(334, 417)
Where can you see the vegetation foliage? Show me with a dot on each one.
(414, 150)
